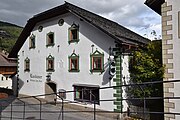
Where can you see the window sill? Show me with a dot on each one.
(32, 47)
(50, 70)
(86, 101)
(73, 41)
(100, 71)
(50, 45)
(74, 70)
(26, 70)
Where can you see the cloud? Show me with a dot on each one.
(129, 13)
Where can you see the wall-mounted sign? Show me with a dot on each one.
(35, 78)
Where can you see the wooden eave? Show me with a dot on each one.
(155, 5)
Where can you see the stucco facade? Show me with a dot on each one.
(61, 76)
(83, 63)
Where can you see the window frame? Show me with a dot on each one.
(27, 65)
(73, 56)
(48, 59)
(96, 55)
(70, 34)
(32, 40)
(85, 96)
(47, 39)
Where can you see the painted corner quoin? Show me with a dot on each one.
(117, 80)
(167, 56)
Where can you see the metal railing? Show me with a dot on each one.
(27, 108)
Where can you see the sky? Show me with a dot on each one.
(132, 14)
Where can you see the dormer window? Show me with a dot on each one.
(73, 33)
(50, 39)
(32, 41)
(50, 63)
(74, 63)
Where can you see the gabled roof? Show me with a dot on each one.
(155, 5)
(116, 31)
(6, 62)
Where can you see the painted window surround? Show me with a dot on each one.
(73, 34)
(50, 39)
(97, 62)
(50, 64)
(32, 41)
(27, 65)
(74, 63)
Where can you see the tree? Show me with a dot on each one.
(146, 66)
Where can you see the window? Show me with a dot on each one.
(60, 22)
(74, 63)
(50, 39)
(32, 41)
(27, 65)
(97, 62)
(40, 28)
(86, 93)
(50, 63)
(73, 33)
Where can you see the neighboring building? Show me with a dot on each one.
(69, 48)
(8, 69)
(170, 12)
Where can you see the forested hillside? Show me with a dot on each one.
(9, 33)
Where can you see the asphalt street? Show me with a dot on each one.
(30, 110)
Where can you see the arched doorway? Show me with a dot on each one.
(50, 87)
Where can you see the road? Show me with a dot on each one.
(31, 111)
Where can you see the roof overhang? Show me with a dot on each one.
(155, 5)
(105, 25)
(30, 25)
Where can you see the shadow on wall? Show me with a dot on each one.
(106, 77)
(17, 84)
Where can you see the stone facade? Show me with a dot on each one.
(167, 56)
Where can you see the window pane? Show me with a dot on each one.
(74, 34)
(50, 38)
(33, 42)
(27, 64)
(97, 63)
(74, 65)
(86, 94)
(95, 95)
(50, 64)
(78, 93)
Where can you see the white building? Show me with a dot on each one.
(69, 48)
(7, 74)
(170, 12)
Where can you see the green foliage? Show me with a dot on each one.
(8, 39)
(146, 66)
